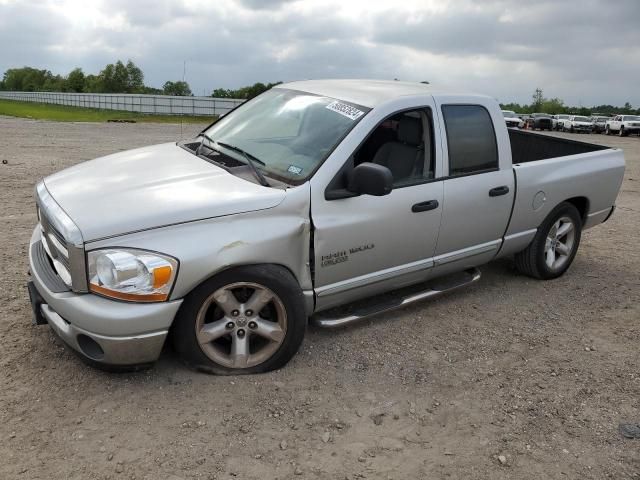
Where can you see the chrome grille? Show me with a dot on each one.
(62, 241)
(55, 246)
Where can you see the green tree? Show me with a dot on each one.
(178, 88)
(152, 91)
(75, 80)
(92, 84)
(514, 107)
(26, 79)
(221, 93)
(52, 83)
(135, 78)
(121, 78)
(538, 100)
(553, 105)
(244, 92)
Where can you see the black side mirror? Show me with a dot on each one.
(370, 179)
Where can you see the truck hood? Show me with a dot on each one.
(152, 187)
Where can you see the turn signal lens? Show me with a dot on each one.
(161, 276)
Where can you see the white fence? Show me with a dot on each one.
(152, 104)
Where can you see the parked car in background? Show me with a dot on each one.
(577, 124)
(540, 121)
(556, 123)
(511, 119)
(598, 123)
(290, 206)
(623, 125)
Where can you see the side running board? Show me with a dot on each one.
(349, 314)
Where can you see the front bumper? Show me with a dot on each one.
(101, 330)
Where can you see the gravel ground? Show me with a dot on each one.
(510, 378)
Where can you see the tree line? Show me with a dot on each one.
(118, 77)
(541, 104)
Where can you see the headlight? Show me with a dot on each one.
(130, 274)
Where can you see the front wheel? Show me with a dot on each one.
(622, 133)
(607, 131)
(249, 319)
(554, 246)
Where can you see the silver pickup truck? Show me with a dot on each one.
(328, 201)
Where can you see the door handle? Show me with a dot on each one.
(424, 206)
(496, 192)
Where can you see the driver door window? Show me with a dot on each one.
(404, 144)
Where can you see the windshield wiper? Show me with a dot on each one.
(250, 162)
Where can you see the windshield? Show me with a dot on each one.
(563, 117)
(580, 119)
(508, 113)
(289, 133)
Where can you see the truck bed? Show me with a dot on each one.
(549, 170)
(529, 147)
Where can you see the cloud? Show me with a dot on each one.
(264, 4)
(504, 48)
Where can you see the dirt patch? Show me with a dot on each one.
(510, 378)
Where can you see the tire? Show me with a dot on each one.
(607, 131)
(621, 132)
(231, 345)
(535, 260)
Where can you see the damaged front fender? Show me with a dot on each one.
(280, 235)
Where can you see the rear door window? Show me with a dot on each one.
(471, 139)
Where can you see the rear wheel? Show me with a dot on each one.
(554, 246)
(249, 319)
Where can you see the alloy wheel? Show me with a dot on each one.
(241, 325)
(559, 243)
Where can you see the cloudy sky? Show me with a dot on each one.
(584, 51)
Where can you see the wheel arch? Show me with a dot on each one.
(309, 297)
(582, 204)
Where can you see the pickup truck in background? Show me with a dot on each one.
(511, 119)
(577, 124)
(540, 121)
(325, 200)
(623, 125)
(599, 124)
(556, 121)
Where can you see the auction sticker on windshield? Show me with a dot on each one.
(295, 170)
(344, 109)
